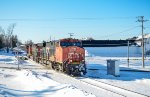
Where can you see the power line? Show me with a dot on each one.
(121, 31)
(54, 19)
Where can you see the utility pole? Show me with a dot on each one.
(71, 34)
(141, 19)
(50, 38)
(18, 59)
(128, 53)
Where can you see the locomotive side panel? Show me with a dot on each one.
(59, 54)
(65, 54)
(50, 50)
(29, 50)
(34, 51)
(73, 53)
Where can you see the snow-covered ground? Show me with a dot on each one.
(32, 80)
(36, 80)
(133, 77)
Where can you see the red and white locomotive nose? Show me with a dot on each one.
(74, 55)
(76, 60)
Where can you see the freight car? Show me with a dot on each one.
(65, 55)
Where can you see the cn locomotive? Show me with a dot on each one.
(65, 55)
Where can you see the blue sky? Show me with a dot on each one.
(39, 20)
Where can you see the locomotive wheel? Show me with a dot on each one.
(68, 71)
(50, 65)
(63, 67)
(60, 67)
(38, 59)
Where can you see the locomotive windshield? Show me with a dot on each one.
(70, 44)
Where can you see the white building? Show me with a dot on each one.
(146, 43)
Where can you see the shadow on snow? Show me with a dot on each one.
(14, 92)
(99, 71)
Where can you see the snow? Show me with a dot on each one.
(134, 77)
(30, 83)
(35, 80)
(32, 80)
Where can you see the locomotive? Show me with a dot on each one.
(65, 55)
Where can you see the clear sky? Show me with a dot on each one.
(39, 20)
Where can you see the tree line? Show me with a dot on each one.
(7, 38)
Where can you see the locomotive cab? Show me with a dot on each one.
(71, 55)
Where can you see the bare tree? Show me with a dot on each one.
(10, 30)
(29, 42)
(2, 37)
(7, 38)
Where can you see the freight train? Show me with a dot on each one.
(65, 55)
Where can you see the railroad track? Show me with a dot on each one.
(116, 91)
(111, 88)
(85, 85)
(96, 87)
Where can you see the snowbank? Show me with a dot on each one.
(32, 81)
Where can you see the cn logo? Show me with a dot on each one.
(73, 49)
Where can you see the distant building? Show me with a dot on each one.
(146, 43)
(88, 38)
